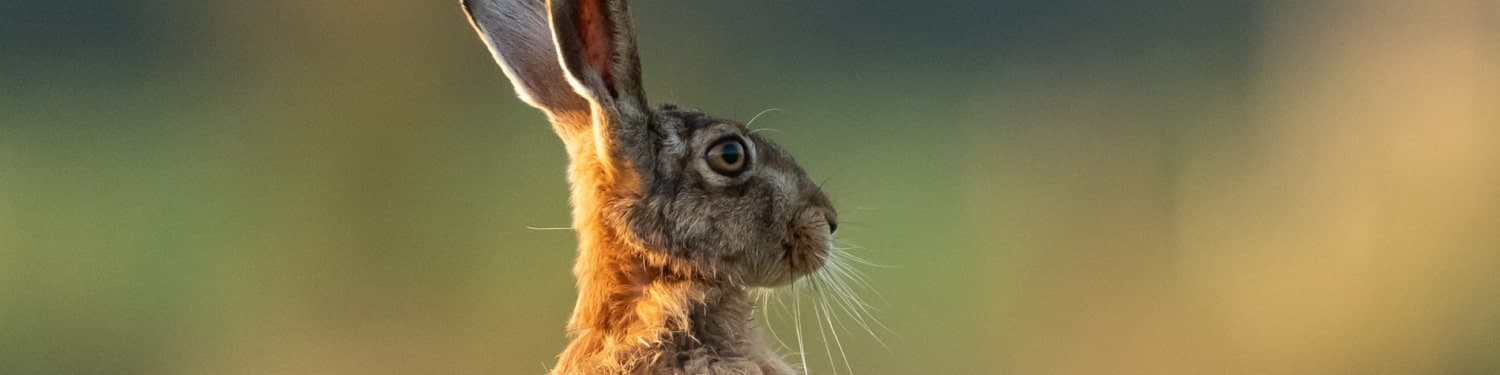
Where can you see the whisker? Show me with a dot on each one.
(839, 285)
(757, 116)
(849, 301)
(854, 274)
(764, 296)
(867, 262)
(861, 304)
(817, 295)
(845, 249)
(797, 321)
(823, 181)
(828, 316)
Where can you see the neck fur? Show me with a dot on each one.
(636, 305)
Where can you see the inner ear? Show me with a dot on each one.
(596, 38)
(597, 48)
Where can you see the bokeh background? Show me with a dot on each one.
(1059, 187)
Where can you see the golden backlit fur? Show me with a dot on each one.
(669, 244)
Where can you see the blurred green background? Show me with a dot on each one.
(1062, 187)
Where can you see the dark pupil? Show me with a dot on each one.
(730, 152)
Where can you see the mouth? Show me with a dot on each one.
(809, 243)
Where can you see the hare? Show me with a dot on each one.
(678, 213)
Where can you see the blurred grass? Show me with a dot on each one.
(1143, 187)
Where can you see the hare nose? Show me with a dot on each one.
(833, 224)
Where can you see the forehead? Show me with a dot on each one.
(692, 129)
(685, 122)
(685, 125)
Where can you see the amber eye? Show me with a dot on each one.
(728, 157)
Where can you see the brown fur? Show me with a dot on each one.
(668, 246)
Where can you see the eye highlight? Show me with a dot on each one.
(728, 157)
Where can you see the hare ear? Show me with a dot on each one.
(520, 38)
(596, 45)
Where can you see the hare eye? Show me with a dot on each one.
(728, 157)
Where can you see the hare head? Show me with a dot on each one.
(677, 212)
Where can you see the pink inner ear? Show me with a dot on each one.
(598, 40)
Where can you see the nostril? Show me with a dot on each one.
(833, 225)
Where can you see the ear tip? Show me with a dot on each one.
(468, 5)
(472, 9)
